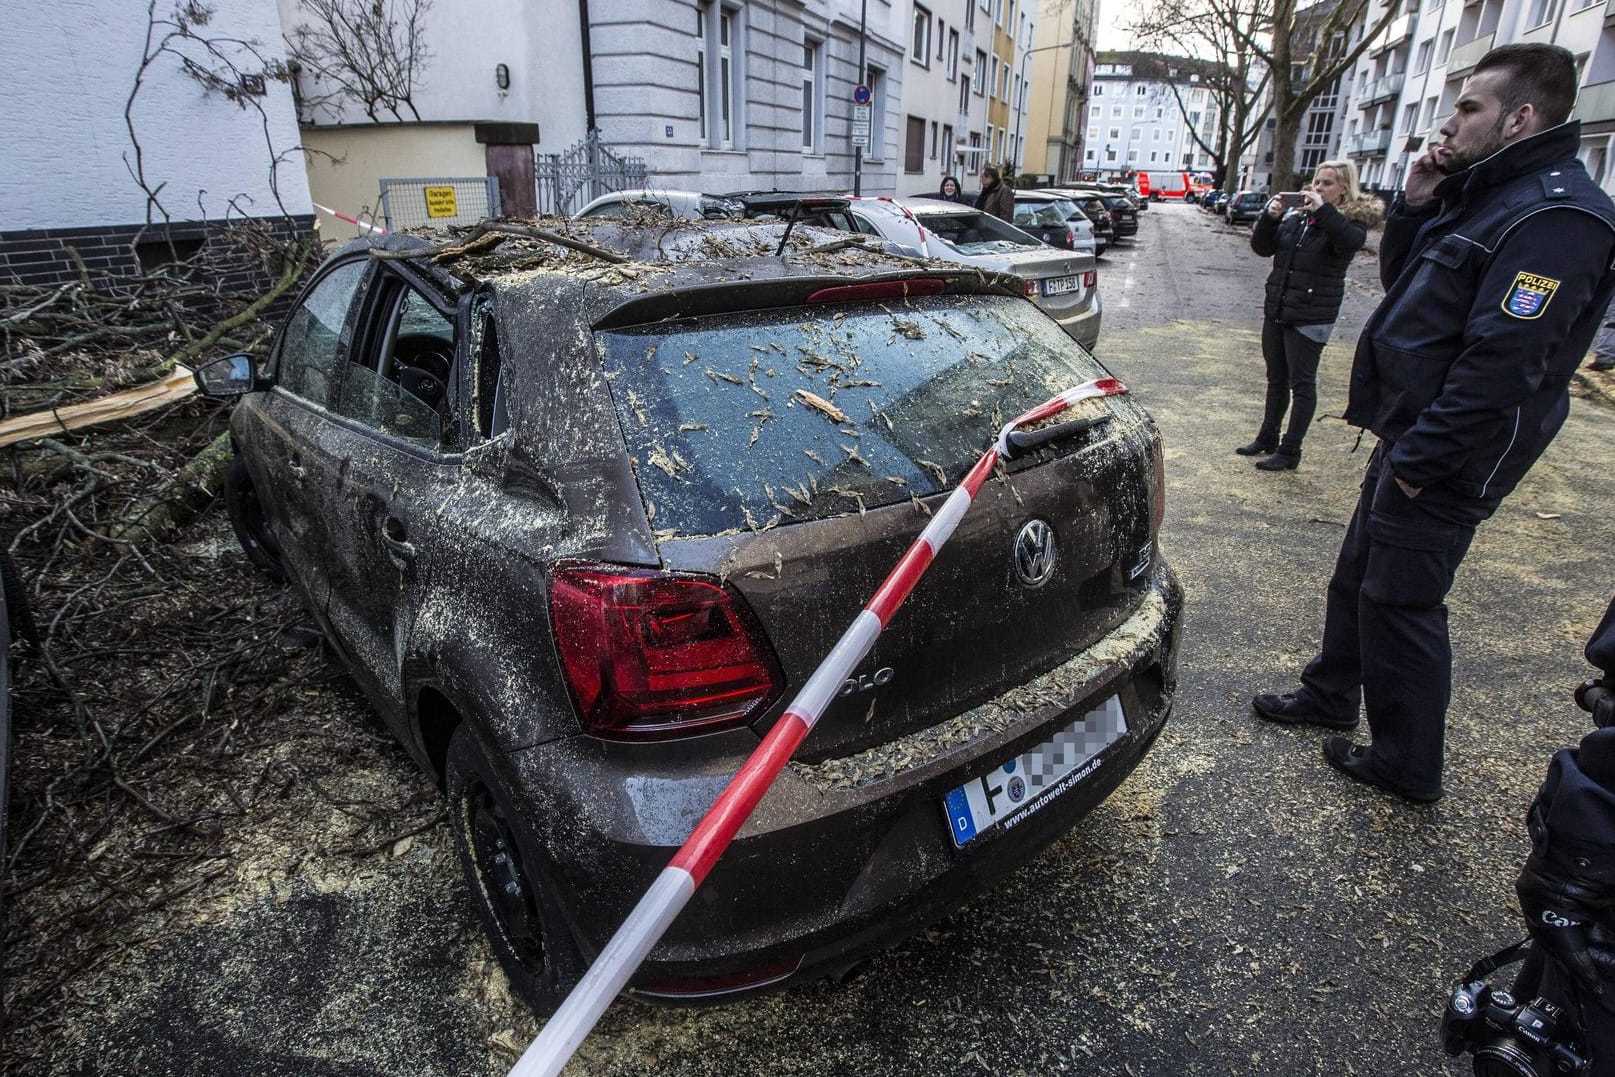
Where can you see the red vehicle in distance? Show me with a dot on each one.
(1157, 186)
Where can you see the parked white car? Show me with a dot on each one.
(1064, 283)
(692, 204)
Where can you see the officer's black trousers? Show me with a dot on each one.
(1385, 641)
(1292, 371)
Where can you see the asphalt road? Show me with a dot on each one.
(1235, 907)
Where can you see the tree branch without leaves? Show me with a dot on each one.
(365, 52)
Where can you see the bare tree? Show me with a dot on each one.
(1308, 46)
(1235, 79)
(365, 52)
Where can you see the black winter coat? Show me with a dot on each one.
(1493, 294)
(1310, 257)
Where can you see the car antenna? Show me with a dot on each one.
(790, 223)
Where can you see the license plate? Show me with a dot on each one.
(1008, 794)
(1061, 285)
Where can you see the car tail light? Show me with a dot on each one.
(1116, 216)
(648, 654)
(1031, 288)
(1090, 278)
(1070, 239)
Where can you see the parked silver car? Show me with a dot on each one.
(1064, 283)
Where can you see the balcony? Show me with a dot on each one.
(1466, 56)
(1379, 90)
(1596, 102)
(1395, 34)
(1369, 143)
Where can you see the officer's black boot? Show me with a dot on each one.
(1282, 460)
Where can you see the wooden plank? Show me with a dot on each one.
(131, 402)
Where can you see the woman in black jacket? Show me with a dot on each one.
(1311, 247)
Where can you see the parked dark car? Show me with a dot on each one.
(581, 520)
(1044, 216)
(1093, 207)
(1123, 213)
(1216, 202)
(1245, 206)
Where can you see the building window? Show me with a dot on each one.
(1099, 89)
(1446, 47)
(933, 139)
(1140, 90)
(1410, 117)
(1132, 156)
(1152, 156)
(1421, 59)
(953, 55)
(875, 79)
(1110, 153)
(1093, 132)
(947, 146)
(1429, 114)
(1542, 13)
(701, 72)
(722, 91)
(941, 40)
(1138, 113)
(726, 75)
(1115, 133)
(810, 97)
(964, 96)
(1090, 155)
(914, 145)
(984, 76)
(920, 48)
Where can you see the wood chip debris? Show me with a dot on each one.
(821, 405)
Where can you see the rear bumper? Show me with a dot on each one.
(849, 855)
(1081, 323)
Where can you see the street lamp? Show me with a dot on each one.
(1020, 107)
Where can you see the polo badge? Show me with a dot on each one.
(1529, 296)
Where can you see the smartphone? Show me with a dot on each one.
(1292, 199)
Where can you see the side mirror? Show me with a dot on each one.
(227, 376)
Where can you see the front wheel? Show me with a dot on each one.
(250, 522)
(510, 888)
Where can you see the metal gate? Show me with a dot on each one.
(568, 181)
(438, 201)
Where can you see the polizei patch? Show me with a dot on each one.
(1529, 296)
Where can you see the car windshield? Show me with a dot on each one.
(739, 421)
(974, 232)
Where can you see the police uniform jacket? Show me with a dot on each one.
(1572, 822)
(1493, 294)
(1311, 254)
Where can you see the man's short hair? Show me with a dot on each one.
(1538, 74)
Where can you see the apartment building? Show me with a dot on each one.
(1404, 88)
(1061, 70)
(1140, 112)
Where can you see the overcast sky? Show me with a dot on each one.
(1112, 14)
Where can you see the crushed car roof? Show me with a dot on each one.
(628, 260)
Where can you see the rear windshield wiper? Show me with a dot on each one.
(1022, 442)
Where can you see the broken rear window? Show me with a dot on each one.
(749, 419)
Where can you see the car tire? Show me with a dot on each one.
(250, 522)
(508, 880)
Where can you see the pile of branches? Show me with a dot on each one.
(163, 710)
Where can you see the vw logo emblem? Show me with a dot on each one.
(1035, 553)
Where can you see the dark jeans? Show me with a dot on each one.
(1385, 638)
(1539, 976)
(1292, 371)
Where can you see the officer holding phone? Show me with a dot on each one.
(1311, 235)
(1496, 266)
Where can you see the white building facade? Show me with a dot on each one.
(1135, 123)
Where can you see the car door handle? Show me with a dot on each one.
(394, 536)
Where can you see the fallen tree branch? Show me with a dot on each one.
(37, 424)
(190, 491)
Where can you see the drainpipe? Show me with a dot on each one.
(588, 66)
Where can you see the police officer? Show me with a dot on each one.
(1567, 887)
(1495, 262)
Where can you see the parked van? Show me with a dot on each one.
(1156, 186)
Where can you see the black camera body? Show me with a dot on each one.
(1509, 1038)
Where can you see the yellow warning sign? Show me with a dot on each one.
(440, 202)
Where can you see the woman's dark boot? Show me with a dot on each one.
(1282, 460)
(1259, 447)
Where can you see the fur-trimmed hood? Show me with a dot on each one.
(1367, 210)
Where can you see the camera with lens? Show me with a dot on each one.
(1509, 1038)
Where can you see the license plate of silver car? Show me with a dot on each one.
(1013, 792)
(1061, 285)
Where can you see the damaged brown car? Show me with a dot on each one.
(580, 517)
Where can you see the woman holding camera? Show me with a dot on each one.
(1311, 236)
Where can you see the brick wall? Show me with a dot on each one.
(51, 256)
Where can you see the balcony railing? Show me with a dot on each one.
(1395, 34)
(1369, 143)
(1466, 56)
(1596, 102)
(1381, 89)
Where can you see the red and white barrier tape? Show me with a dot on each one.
(673, 888)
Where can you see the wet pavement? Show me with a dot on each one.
(1236, 907)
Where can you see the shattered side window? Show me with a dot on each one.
(749, 419)
(312, 342)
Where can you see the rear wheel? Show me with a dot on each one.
(251, 524)
(509, 886)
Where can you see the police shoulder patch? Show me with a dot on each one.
(1529, 296)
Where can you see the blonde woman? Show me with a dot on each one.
(1311, 245)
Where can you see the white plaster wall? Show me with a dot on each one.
(538, 40)
(66, 70)
(348, 163)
